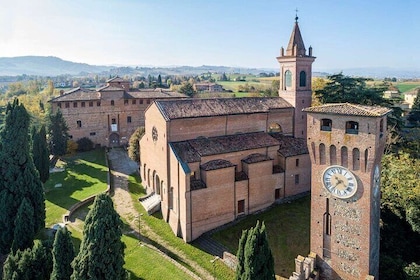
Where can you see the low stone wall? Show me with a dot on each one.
(73, 208)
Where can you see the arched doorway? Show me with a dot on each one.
(157, 185)
(114, 140)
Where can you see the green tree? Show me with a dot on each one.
(24, 227)
(40, 153)
(159, 81)
(58, 132)
(19, 178)
(31, 264)
(240, 268)
(187, 89)
(341, 89)
(101, 254)
(258, 262)
(414, 116)
(134, 148)
(63, 255)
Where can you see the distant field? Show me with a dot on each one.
(407, 86)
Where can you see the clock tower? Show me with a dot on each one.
(346, 143)
(296, 78)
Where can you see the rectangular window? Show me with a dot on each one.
(79, 124)
(83, 104)
(75, 104)
(296, 179)
(98, 103)
(114, 121)
(134, 101)
(112, 102)
(67, 104)
(277, 194)
(92, 133)
(141, 101)
(59, 104)
(148, 101)
(125, 101)
(90, 103)
(129, 119)
(241, 206)
(297, 162)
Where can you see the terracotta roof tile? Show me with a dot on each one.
(253, 158)
(290, 146)
(77, 94)
(192, 150)
(191, 108)
(349, 109)
(216, 164)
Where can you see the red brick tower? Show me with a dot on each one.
(346, 144)
(296, 78)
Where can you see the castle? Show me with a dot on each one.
(109, 115)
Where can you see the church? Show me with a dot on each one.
(207, 162)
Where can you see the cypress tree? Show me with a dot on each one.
(40, 153)
(19, 178)
(257, 260)
(240, 268)
(24, 227)
(63, 255)
(101, 254)
(41, 260)
(59, 133)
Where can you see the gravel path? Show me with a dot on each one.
(121, 167)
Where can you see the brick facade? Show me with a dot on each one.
(109, 115)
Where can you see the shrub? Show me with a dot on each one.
(84, 144)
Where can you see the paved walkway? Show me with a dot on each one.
(121, 167)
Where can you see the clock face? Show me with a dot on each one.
(154, 134)
(339, 181)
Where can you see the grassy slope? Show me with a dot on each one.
(287, 229)
(84, 175)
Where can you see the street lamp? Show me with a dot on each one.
(214, 268)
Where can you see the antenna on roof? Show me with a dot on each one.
(296, 18)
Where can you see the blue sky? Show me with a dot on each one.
(343, 34)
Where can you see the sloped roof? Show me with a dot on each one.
(290, 146)
(82, 94)
(198, 107)
(116, 79)
(296, 40)
(349, 109)
(77, 94)
(216, 164)
(253, 158)
(192, 150)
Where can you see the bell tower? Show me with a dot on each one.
(296, 78)
(346, 143)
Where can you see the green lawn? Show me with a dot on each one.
(84, 175)
(160, 227)
(287, 229)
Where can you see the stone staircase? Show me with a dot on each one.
(151, 203)
(208, 244)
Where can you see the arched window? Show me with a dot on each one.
(302, 79)
(356, 159)
(322, 153)
(287, 79)
(333, 155)
(366, 159)
(313, 151)
(326, 124)
(344, 156)
(381, 128)
(275, 127)
(352, 127)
